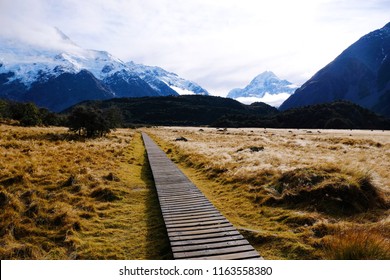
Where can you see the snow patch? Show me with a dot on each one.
(182, 91)
(274, 100)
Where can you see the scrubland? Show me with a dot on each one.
(295, 194)
(64, 197)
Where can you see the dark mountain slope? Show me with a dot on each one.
(63, 91)
(360, 74)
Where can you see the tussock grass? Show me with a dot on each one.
(68, 198)
(357, 244)
(293, 195)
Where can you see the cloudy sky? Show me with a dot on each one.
(220, 44)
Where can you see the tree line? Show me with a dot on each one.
(86, 121)
(28, 114)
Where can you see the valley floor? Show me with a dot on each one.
(295, 194)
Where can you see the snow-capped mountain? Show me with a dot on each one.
(164, 81)
(59, 77)
(266, 87)
(361, 74)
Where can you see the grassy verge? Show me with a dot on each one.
(68, 198)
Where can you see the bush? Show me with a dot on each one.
(92, 122)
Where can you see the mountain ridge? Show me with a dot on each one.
(26, 69)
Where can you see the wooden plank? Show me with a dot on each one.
(213, 252)
(179, 214)
(185, 206)
(204, 224)
(202, 236)
(188, 202)
(183, 196)
(184, 210)
(172, 221)
(196, 214)
(178, 192)
(207, 240)
(250, 255)
(211, 246)
(196, 229)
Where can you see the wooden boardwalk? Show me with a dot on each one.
(196, 229)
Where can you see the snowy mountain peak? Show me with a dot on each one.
(266, 82)
(266, 87)
(266, 75)
(160, 79)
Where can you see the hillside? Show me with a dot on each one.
(360, 74)
(180, 110)
(335, 115)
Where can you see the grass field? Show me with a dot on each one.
(294, 194)
(69, 198)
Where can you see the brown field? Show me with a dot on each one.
(66, 198)
(294, 194)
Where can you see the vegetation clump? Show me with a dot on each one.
(256, 148)
(357, 244)
(181, 139)
(326, 190)
(104, 194)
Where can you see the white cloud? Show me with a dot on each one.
(220, 44)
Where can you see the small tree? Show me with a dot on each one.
(3, 109)
(27, 113)
(91, 122)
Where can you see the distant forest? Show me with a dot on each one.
(192, 110)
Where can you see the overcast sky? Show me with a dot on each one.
(220, 44)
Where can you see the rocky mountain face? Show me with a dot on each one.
(59, 78)
(360, 74)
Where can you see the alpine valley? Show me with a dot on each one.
(59, 78)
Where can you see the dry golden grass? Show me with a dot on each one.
(68, 198)
(358, 244)
(290, 192)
